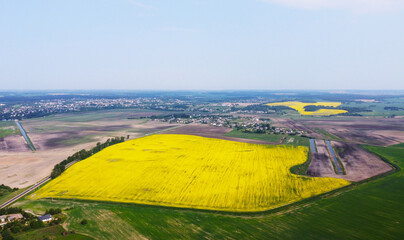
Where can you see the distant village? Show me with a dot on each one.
(45, 107)
(243, 124)
(183, 111)
(24, 109)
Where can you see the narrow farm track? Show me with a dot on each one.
(25, 135)
(332, 155)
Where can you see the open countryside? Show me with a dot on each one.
(202, 120)
(241, 163)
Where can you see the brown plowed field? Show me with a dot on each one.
(14, 143)
(373, 131)
(359, 164)
(321, 165)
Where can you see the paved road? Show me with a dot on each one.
(31, 188)
(24, 193)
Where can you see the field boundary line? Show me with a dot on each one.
(25, 136)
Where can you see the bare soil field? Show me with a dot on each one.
(374, 131)
(26, 168)
(321, 165)
(55, 134)
(55, 140)
(14, 143)
(359, 164)
(210, 132)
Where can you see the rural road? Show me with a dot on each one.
(25, 192)
(31, 188)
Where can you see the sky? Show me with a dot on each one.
(201, 44)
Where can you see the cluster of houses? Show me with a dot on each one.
(45, 106)
(4, 219)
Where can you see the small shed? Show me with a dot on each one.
(45, 218)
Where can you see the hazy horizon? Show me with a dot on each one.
(324, 45)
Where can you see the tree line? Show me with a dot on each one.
(6, 190)
(83, 154)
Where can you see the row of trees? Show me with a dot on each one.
(53, 211)
(11, 210)
(83, 154)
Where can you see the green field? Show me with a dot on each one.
(378, 107)
(401, 145)
(371, 210)
(273, 138)
(8, 128)
(297, 141)
(53, 232)
(5, 196)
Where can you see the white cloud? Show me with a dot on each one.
(355, 5)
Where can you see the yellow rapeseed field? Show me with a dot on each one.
(299, 106)
(190, 172)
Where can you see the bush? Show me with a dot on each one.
(7, 235)
(83, 222)
(55, 221)
(15, 229)
(36, 224)
(54, 211)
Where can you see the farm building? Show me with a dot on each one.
(13, 217)
(45, 218)
(4, 219)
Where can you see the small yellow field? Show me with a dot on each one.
(190, 172)
(299, 106)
